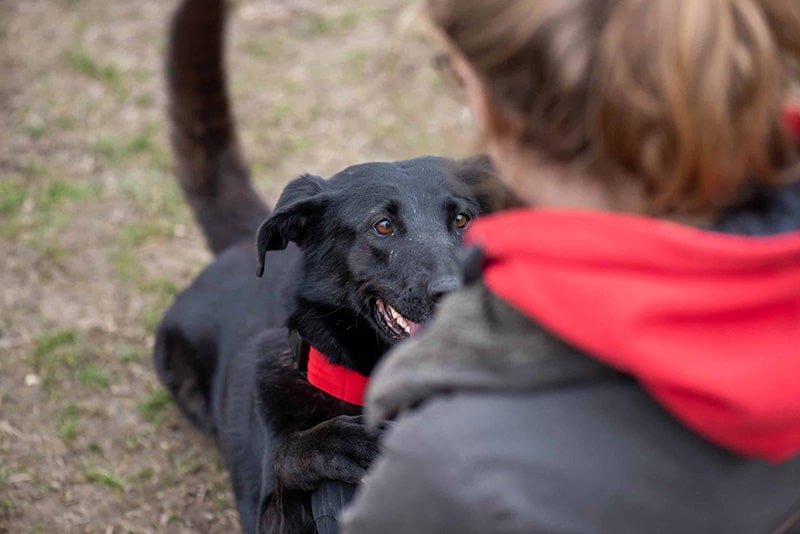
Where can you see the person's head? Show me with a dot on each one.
(677, 101)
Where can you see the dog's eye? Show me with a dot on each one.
(462, 221)
(384, 227)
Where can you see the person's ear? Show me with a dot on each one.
(476, 178)
(474, 89)
(492, 118)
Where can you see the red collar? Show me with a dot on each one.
(335, 380)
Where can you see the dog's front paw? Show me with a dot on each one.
(338, 449)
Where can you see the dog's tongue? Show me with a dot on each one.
(413, 327)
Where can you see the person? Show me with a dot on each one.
(626, 355)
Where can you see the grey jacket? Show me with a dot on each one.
(504, 428)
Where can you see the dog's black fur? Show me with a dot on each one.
(222, 349)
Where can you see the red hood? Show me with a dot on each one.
(792, 117)
(708, 323)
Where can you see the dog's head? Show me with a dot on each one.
(381, 244)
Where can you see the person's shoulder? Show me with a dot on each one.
(600, 457)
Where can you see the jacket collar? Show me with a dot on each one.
(476, 343)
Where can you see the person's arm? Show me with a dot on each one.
(418, 485)
(327, 502)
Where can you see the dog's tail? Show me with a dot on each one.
(210, 167)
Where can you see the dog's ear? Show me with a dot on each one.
(476, 177)
(302, 202)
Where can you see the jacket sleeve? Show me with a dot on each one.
(418, 485)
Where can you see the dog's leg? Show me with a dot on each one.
(338, 449)
(186, 373)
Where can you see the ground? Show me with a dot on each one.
(95, 238)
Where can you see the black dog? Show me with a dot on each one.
(351, 265)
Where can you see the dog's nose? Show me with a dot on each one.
(437, 289)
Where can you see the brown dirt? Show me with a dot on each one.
(95, 239)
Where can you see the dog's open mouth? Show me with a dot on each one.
(393, 321)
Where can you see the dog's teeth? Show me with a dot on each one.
(401, 321)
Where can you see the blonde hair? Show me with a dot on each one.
(684, 95)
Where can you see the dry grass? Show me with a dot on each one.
(95, 238)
